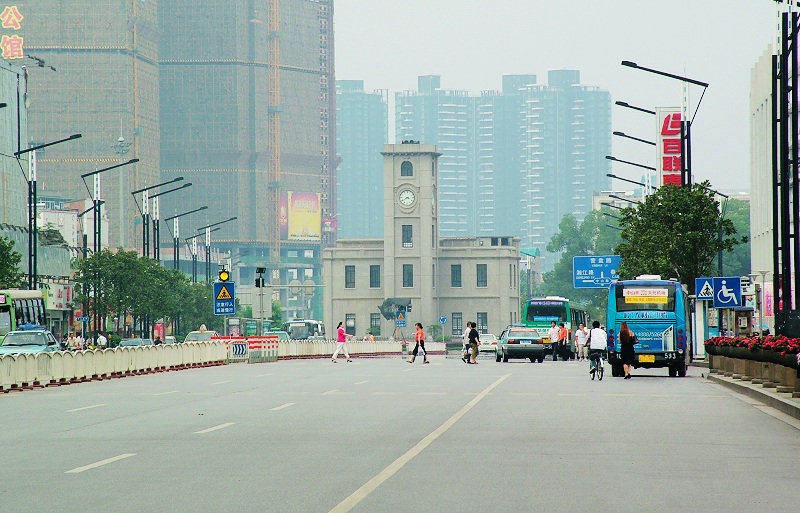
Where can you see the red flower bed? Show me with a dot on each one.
(781, 344)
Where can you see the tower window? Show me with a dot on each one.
(408, 236)
(406, 169)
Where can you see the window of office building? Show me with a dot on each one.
(483, 275)
(458, 324)
(374, 320)
(408, 275)
(455, 275)
(349, 276)
(483, 322)
(350, 323)
(375, 276)
(408, 236)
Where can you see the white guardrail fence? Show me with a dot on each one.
(28, 371)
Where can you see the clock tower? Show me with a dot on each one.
(411, 228)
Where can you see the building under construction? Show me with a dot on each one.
(237, 99)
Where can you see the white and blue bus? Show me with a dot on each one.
(657, 312)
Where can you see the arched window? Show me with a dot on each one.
(406, 169)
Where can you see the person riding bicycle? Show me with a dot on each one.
(598, 342)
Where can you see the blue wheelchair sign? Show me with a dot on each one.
(728, 292)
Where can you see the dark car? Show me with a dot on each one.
(521, 342)
(29, 342)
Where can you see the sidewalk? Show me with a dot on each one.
(783, 402)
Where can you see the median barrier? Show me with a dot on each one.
(56, 369)
(80, 366)
(68, 364)
(8, 373)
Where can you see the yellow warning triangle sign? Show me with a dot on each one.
(223, 293)
(400, 316)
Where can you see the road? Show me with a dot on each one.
(379, 435)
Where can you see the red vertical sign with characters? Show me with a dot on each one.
(669, 146)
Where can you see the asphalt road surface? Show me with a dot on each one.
(380, 435)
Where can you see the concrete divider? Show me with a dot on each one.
(56, 369)
(68, 359)
(8, 372)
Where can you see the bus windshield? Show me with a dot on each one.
(632, 297)
(546, 311)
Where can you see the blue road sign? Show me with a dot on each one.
(728, 292)
(83, 318)
(224, 298)
(595, 272)
(443, 320)
(704, 289)
(400, 319)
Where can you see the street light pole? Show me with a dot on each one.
(176, 234)
(33, 230)
(157, 221)
(208, 244)
(145, 211)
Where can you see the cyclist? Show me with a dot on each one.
(598, 341)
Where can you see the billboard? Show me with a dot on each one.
(669, 147)
(300, 216)
(11, 42)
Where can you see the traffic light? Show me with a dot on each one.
(224, 275)
(260, 282)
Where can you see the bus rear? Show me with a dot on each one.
(656, 311)
(538, 313)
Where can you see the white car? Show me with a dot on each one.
(488, 343)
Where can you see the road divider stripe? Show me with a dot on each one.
(370, 486)
(329, 392)
(361, 382)
(221, 382)
(282, 406)
(78, 470)
(87, 407)
(166, 393)
(215, 428)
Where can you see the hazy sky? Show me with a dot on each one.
(472, 43)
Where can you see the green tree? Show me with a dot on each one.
(676, 233)
(592, 236)
(10, 275)
(737, 263)
(276, 321)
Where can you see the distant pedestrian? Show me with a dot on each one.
(419, 337)
(552, 334)
(465, 343)
(627, 341)
(474, 340)
(341, 343)
(581, 336)
(157, 341)
(371, 337)
(72, 342)
(102, 341)
(563, 338)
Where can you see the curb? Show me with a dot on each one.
(788, 406)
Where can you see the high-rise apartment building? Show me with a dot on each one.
(514, 161)
(362, 129)
(97, 75)
(445, 118)
(567, 136)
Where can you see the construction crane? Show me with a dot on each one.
(274, 126)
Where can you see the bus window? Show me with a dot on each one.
(5, 319)
(632, 297)
(546, 311)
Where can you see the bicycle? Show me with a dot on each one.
(596, 366)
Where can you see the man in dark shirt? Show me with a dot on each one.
(474, 340)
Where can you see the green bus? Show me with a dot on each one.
(539, 312)
(20, 307)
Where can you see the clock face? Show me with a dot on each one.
(407, 197)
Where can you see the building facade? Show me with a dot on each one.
(362, 128)
(455, 278)
(445, 118)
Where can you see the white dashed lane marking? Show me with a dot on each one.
(78, 470)
(282, 406)
(215, 428)
(87, 407)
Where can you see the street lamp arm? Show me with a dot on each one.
(611, 175)
(622, 134)
(216, 224)
(610, 215)
(171, 190)
(634, 107)
(40, 146)
(157, 185)
(185, 213)
(630, 64)
(92, 173)
(623, 199)
(610, 205)
(609, 157)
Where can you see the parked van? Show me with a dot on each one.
(170, 339)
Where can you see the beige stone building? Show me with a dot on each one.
(459, 279)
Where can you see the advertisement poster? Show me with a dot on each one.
(669, 146)
(305, 216)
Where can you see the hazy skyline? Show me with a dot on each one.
(472, 43)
